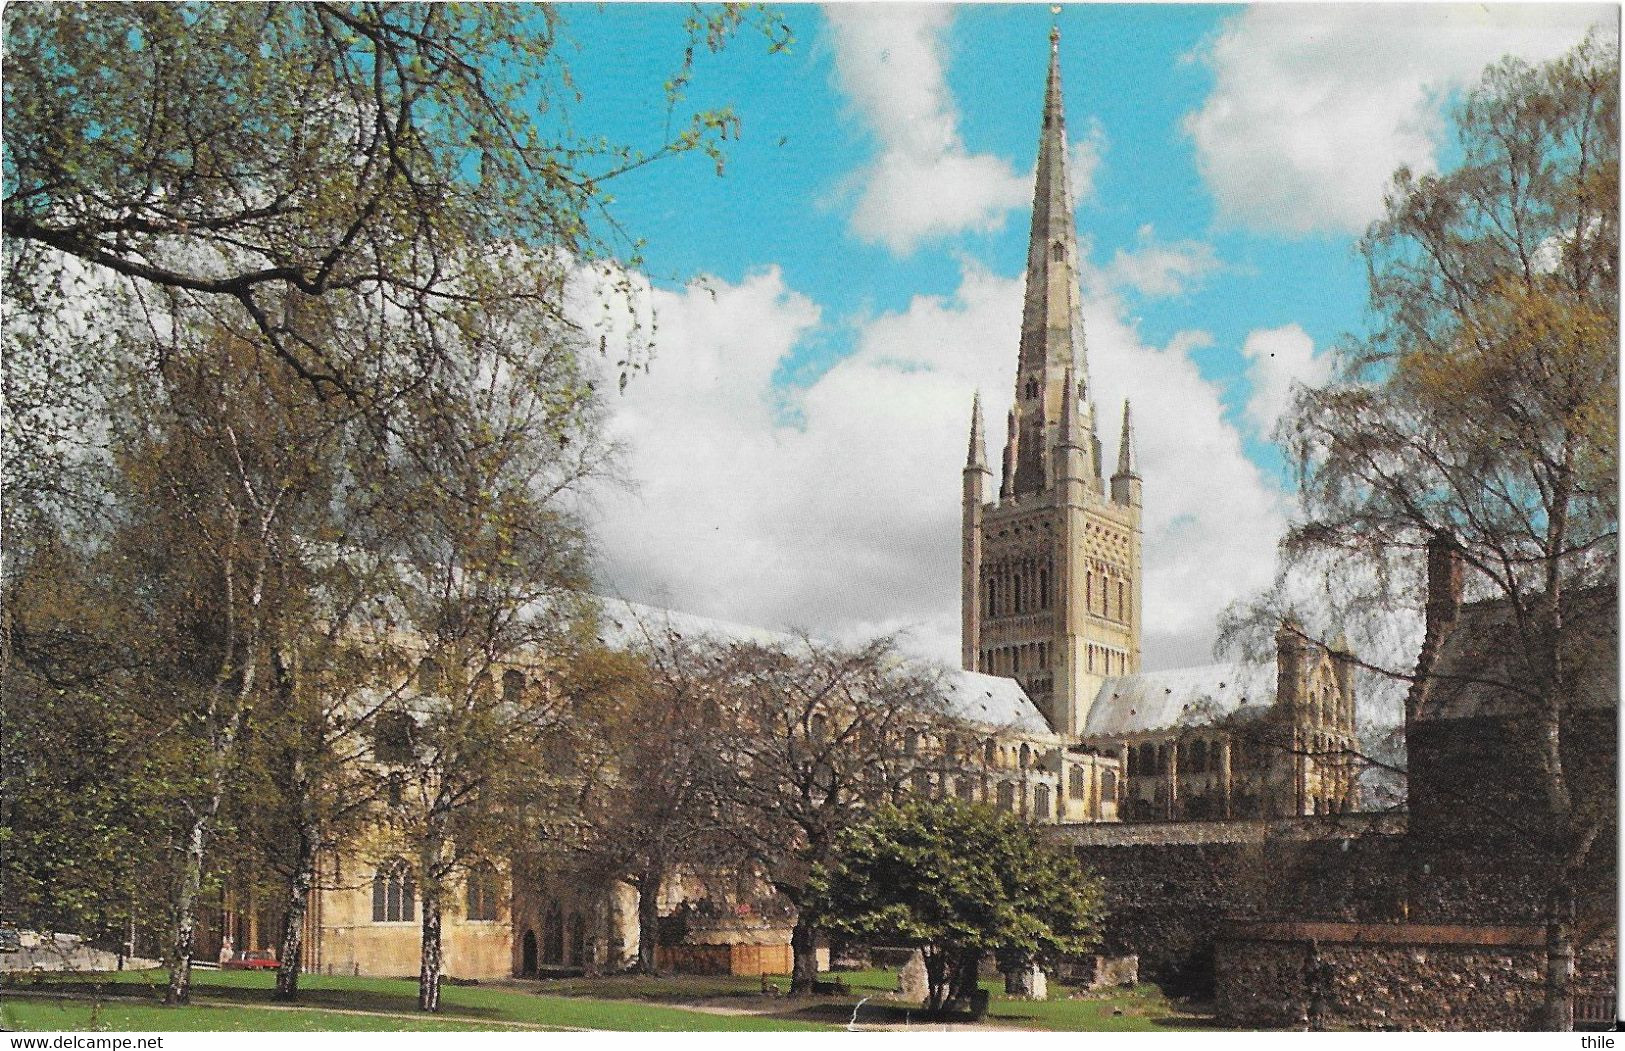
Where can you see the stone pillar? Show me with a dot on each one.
(1173, 779)
(1224, 777)
(1027, 982)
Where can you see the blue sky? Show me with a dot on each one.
(795, 446)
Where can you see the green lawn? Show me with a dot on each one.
(241, 1000)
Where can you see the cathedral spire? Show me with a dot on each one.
(1051, 321)
(1051, 312)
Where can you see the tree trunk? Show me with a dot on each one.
(185, 930)
(648, 921)
(939, 978)
(968, 976)
(1557, 1012)
(429, 969)
(804, 946)
(293, 926)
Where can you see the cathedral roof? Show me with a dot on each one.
(1162, 700)
(988, 700)
(993, 701)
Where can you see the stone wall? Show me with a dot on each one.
(1171, 889)
(1390, 976)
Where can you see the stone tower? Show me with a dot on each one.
(1050, 583)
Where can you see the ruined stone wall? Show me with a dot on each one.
(1390, 976)
(1172, 889)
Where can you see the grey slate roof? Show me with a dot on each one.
(988, 700)
(993, 701)
(1478, 660)
(1160, 700)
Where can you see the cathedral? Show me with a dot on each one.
(1052, 572)
(1050, 716)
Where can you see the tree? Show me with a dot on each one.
(1482, 409)
(957, 881)
(648, 803)
(811, 737)
(244, 152)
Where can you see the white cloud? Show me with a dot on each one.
(924, 184)
(1279, 359)
(1154, 268)
(1084, 159)
(846, 522)
(1315, 106)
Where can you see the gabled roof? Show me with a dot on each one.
(993, 701)
(1161, 700)
(1479, 673)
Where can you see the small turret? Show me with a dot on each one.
(1012, 444)
(1126, 488)
(976, 459)
(975, 499)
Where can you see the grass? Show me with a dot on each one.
(242, 1001)
(1140, 1009)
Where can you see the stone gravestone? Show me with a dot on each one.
(1027, 983)
(911, 982)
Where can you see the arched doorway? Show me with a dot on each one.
(553, 935)
(527, 954)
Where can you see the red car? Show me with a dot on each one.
(253, 960)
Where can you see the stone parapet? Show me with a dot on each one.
(1216, 833)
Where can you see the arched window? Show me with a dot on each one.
(952, 749)
(1122, 606)
(990, 752)
(513, 685)
(965, 788)
(392, 737)
(394, 898)
(1199, 757)
(483, 891)
(1058, 252)
(920, 782)
(1146, 763)
(1077, 790)
(553, 934)
(1041, 802)
(428, 675)
(1026, 756)
(1007, 797)
(1108, 784)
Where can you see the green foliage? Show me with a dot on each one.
(950, 878)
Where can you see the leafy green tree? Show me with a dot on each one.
(1483, 407)
(957, 881)
(401, 159)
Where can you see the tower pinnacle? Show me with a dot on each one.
(977, 457)
(1125, 448)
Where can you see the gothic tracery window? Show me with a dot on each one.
(482, 892)
(394, 897)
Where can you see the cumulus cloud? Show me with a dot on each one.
(1083, 160)
(1315, 106)
(924, 183)
(842, 516)
(1278, 360)
(1155, 268)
